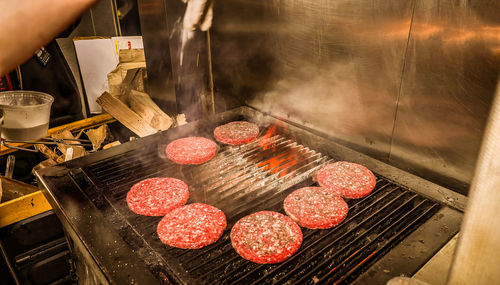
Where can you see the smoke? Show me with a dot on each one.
(331, 66)
(335, 100)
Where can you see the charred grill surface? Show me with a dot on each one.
(244, 179)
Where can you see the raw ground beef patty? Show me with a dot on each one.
(348, 179)
(266, 237)
(315, 208)
(236, 133)
(192, 226)
(157, 196)
(191, 150)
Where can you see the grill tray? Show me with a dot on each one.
(246, 179)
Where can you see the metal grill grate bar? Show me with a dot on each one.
(122, 165)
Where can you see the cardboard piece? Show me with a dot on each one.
(97, 136)
(129, 59)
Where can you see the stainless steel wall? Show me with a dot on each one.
(449, 80)
(408, 82)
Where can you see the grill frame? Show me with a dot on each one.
(67, 184)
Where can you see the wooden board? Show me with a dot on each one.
(147, 109)
(125, 115)
(22, 208)
(84, 124)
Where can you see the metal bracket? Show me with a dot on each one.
(51, 141)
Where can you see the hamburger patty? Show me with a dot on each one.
(350, 180)
(191, 150)
(192, 226)
(157, 196)
(266, 237)
(315, 208)
(236, 133)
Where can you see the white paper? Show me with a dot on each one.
(96, 58)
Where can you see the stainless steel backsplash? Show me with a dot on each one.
(408, 82)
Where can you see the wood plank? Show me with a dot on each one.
(84, 124)
(73, 127)
(147, 109)
(22, 208)
(125, 115)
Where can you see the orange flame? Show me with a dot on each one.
(266, 142)
(280, 163)
(275, 161)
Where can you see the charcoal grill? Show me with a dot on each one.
(393, 231)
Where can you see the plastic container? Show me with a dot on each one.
(26, 115)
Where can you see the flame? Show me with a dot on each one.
(266, 142)
(281, 164)
(293, 159)
(273, 162)
(274, 165)
(286, 167)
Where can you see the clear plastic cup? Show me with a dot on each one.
(26, 114)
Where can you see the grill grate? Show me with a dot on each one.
(245, 179)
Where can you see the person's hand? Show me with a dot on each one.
(198, 15)
(27, 25)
